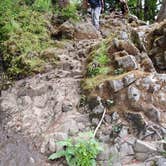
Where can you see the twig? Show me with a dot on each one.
(100, 122)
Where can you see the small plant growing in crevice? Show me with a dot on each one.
(110, 102)
(81, 152)
(68, 12)
(83, 101)
(118, 71)
(99, 64)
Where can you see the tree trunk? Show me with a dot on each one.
(162, 13)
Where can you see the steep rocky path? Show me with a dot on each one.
(40, 110)
(43, 109)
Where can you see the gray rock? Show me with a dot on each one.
(126, 149)
(127, 62)
(50, 145)
(161, 77)
(144, 147)
(141, 156)
(115, 116)
(116, 85)
(124, 132)
(134, 94)
(67, 106)
(124, 35)
(153, 113)
(161, 162)
(105, 154)
(40, 101)
(128, 79)
(98, 109)
(95, 121)
(104, 138)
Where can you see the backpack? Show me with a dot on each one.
(94, 3)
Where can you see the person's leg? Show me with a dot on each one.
(97, 13)
(93, 16)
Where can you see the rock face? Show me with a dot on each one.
(44, 109)
(138, 94)
(80, 31)
(156, 44)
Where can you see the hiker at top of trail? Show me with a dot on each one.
(96, 7)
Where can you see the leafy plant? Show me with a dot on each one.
(23, 36)
(110, 102)
(81, 153)
(42, 5)
(68, 12)
(118, 71)
(100, 61)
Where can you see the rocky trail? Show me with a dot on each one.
(38, 111)
(43, 109)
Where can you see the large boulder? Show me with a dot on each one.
(85, 31)
(156, 45)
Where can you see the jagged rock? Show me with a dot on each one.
(95, 121)
(144, 147)
(67, 106)
(161, 77)
(116, 85)
(66, 30)
(153, 113)
(124, 35)
(160, 42)
(126, 149)
(137, 121)
(85, 31)
(105, 155)
(115, 116)
(141, 156)
(128, 79)
(137, 41)
(50, 142)
(161, 162)
(134, 94)
(127, 62)
(128, 46)
(98, 110)
(156, 46)
(146, 63)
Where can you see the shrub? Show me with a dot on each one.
(24, 36)
(100, 61)
(42, 5)
(68, 12)
(81, 153)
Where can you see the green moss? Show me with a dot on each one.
(91, 83)
(98, 61)
(24, 36)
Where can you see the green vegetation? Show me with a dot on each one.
(99, 63)
(42, 5)
(118, 71)
(81, 152)
(68, 12)
(145, 10)
(23, 36)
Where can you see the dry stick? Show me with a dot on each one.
(100, 122)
